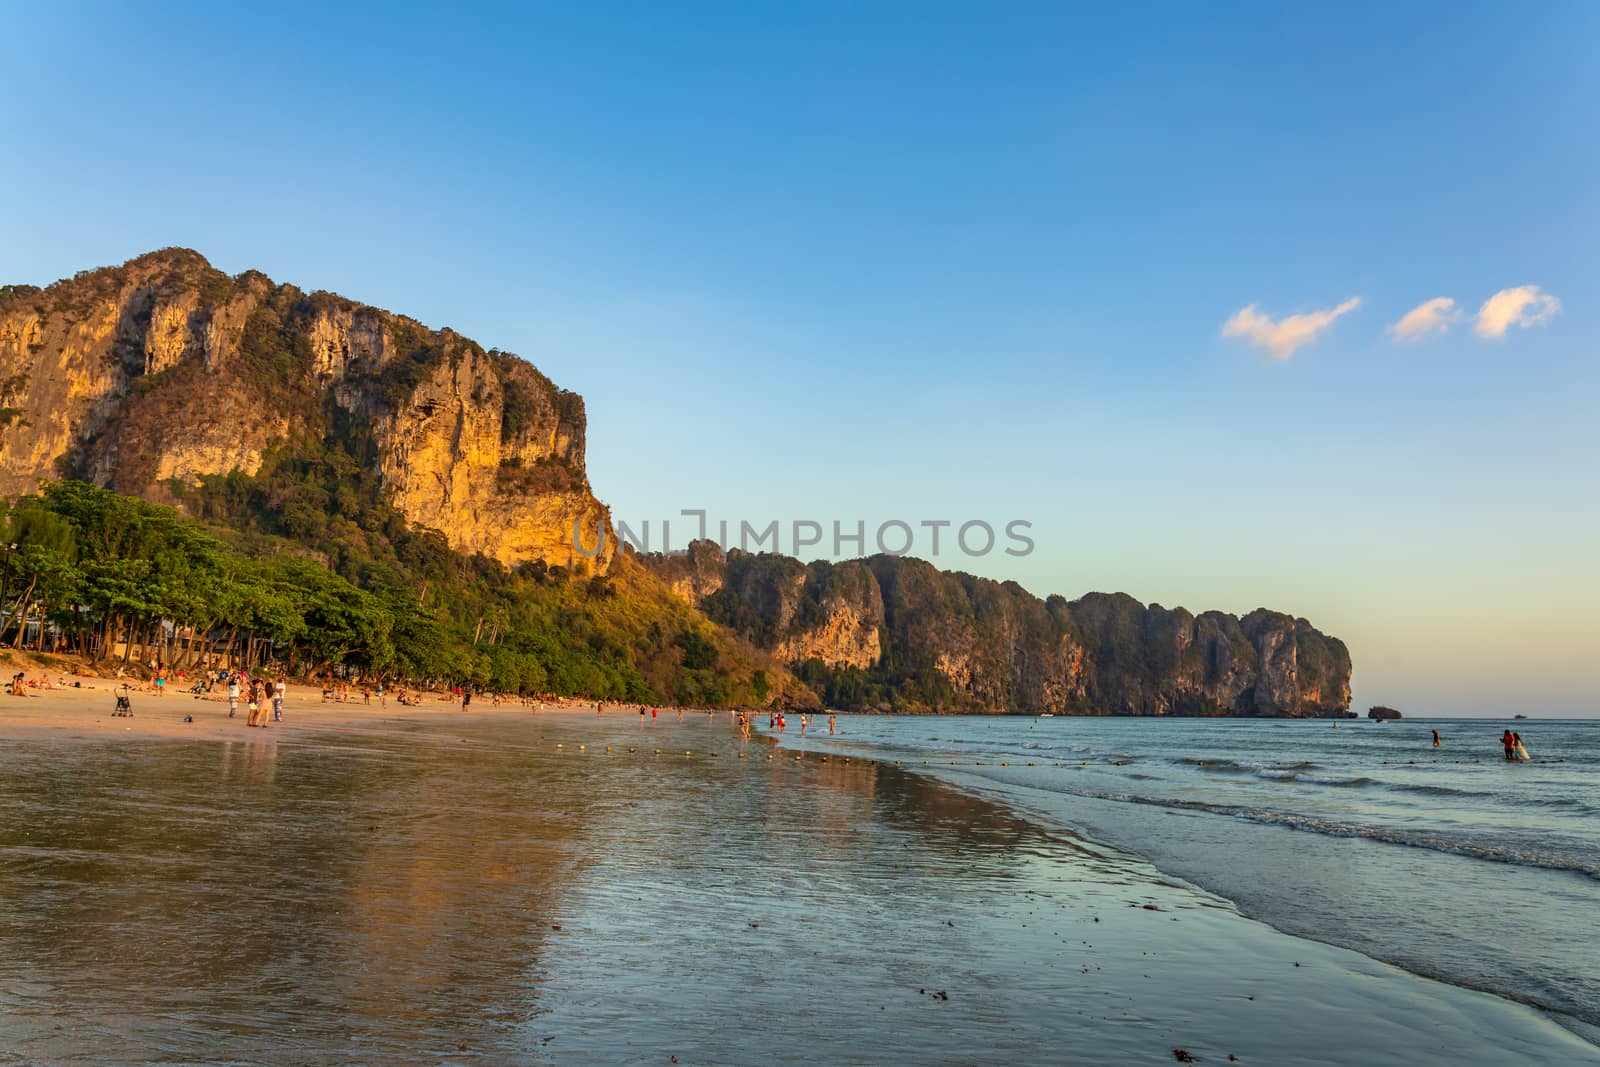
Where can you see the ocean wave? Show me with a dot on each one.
(1224, 765)
(1437, 790)
(1547, 858)
(1494, 852)
(1343, 783)
(1413, 839)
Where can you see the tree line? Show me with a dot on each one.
(122, 581)
(113, 577)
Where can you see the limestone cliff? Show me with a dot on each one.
(897, 633)
(164, 371)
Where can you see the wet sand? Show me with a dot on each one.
(515, 888)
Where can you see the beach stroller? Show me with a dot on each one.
(124, 706)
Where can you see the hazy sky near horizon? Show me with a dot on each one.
(1208, 296)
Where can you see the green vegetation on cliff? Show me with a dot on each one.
(304, 565)
(892, 633)
(351, 487)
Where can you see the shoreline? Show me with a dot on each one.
(86, 712)
(1038, 915)
(1196, 842)
(556, 844)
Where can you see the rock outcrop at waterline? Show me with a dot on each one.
(898, 633)
(151, 376)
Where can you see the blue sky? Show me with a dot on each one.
(937, 261)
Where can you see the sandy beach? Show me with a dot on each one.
(418, 885)
(86, 711)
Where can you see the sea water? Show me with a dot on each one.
(532, 889)
(1447, 861)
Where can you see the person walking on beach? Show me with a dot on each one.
(278, 691)
(1509, 741)
(1436, 739)
(233, 695)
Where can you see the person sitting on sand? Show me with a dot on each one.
(17, 687)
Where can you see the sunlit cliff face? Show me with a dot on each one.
(165, 369)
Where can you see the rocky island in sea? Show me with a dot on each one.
(408, 458)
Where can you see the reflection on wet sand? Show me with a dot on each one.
(396, 897)
(286, 897)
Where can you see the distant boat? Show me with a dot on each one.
(1519, 716)
(1051, 715)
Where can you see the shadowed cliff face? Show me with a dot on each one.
(163, 371)
(894, 632)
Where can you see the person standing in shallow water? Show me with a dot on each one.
(1509, 741)
(1436, 739)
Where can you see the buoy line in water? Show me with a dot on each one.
(818, 757)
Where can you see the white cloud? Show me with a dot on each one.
(1281, 338)
(1430, 316)
(1526, 305)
